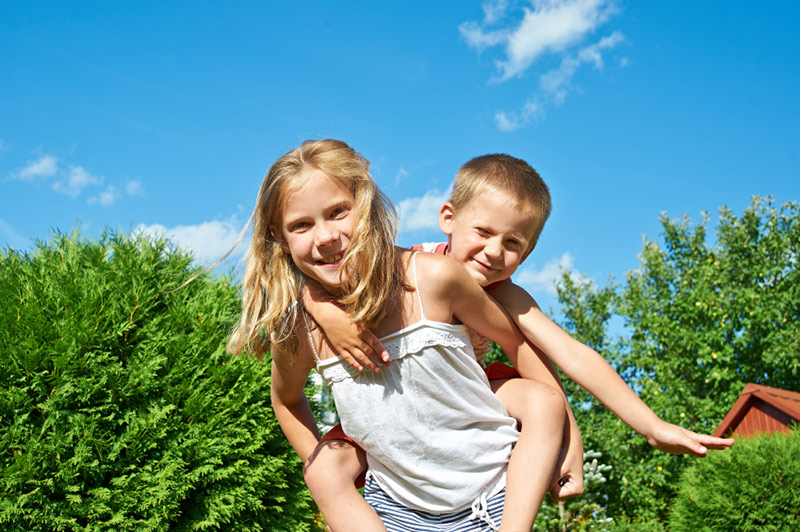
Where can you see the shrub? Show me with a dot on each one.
(119, 408)
(753, 486)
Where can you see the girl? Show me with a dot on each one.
(437, 440)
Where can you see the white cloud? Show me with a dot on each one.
(553, 85)
(554, 82)
(134, 188)
(76, 181)
(494, 10)
(545, 278)
(547, 27)
(44, 166)
(422, 212)
(208, 241)
(592, 53)
(511, 121)
(106, 198)
(552, 26)
(506, 122)
(476, 37)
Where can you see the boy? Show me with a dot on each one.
(493, 219)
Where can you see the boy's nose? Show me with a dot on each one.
(493, 250)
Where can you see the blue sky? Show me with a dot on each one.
(166, 115)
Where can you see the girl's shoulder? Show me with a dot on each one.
(435, 270)
(303, 358)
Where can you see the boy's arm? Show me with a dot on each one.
(290, 403)
(591, 371)
(355, 343)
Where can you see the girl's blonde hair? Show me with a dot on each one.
(272, 282)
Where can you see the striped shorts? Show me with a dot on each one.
(484, 517)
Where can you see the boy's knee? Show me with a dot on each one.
(333, 463)
(545, 398)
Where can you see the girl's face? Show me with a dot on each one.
(316, 226)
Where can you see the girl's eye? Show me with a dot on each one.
(299, 226)
(338, 212)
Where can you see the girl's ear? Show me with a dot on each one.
(277, 237)
(446, 216)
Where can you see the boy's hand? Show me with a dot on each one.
(480, 345)
(357, 345)
(678, 440)
(354, 342)
(566, 487)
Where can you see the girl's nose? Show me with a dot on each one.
(326, 234)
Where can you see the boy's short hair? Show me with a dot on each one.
(508, 174)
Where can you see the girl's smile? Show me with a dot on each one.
(317, 224)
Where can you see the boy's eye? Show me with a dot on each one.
(514, 244)
(483, 231)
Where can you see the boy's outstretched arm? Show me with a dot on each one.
(356, 343)
(591, 371)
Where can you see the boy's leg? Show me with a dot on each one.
(540, 409)
(330, 473)
(570, 466)
(568, 476)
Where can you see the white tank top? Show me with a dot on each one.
(436, 437)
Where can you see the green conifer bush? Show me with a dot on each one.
(119, 408)
(753, 486)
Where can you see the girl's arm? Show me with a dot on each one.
(353, 341)
(591, 371)
(289, 401)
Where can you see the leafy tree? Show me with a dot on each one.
(119, 408)
(702, 319)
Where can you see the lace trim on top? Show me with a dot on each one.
(407, 341)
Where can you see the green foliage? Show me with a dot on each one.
(754, 486)
(119, 408)
(703, 319)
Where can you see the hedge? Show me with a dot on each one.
(753, 486)
(119, 408)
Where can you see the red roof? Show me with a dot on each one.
(776, 410)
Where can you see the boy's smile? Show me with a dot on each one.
(317, 224)
(490, 236)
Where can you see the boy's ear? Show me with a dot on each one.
(277, 237)
(447, 215)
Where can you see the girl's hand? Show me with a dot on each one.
(357, 345)
(678, 440)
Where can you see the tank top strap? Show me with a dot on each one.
(416, 284)
(310, 338)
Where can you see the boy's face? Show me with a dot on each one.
(490, 236)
